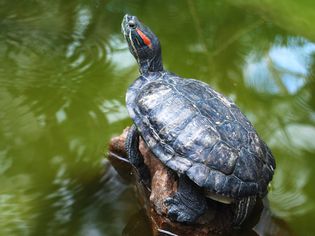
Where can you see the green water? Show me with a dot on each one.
(64, 71)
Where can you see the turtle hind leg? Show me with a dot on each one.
(188, 203)
(242, 209)
(134, 155)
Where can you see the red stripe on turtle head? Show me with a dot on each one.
(145, 39)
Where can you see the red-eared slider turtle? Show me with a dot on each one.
(195, 131)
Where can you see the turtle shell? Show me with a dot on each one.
(196, 131)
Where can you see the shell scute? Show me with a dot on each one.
(247, 189)
(222, 158)
(194, 92)
(180, 164)
(196, 140)
(233, 134)
(151, 96)
(247, 167)
(240, 117)
(216, 111)
(216, 181)
(231, 186)
(198, 173)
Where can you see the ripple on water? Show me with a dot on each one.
(36, 55)
(295, 137)
(17, 120)
(84, 54)
(17, 205)
(23, 48)
(288, 197)
(87, 46)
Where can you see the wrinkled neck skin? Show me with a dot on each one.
(151, 65)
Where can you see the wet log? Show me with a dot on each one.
(163, 183)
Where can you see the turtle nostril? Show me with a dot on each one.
(132, 24)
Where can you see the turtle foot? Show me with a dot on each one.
(177, 211)
(188, 204)
(135, 156)
(243, 209)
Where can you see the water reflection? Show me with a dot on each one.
(114, 111)
(17, 208)
(288, 197)
(283, 69)
(118, 53)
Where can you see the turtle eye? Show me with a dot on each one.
(132, 24)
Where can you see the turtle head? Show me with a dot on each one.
(143, 44)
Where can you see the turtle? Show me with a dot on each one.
(197, 132)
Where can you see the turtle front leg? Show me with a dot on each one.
(242, 209)
(187, 204)
(134, 155)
